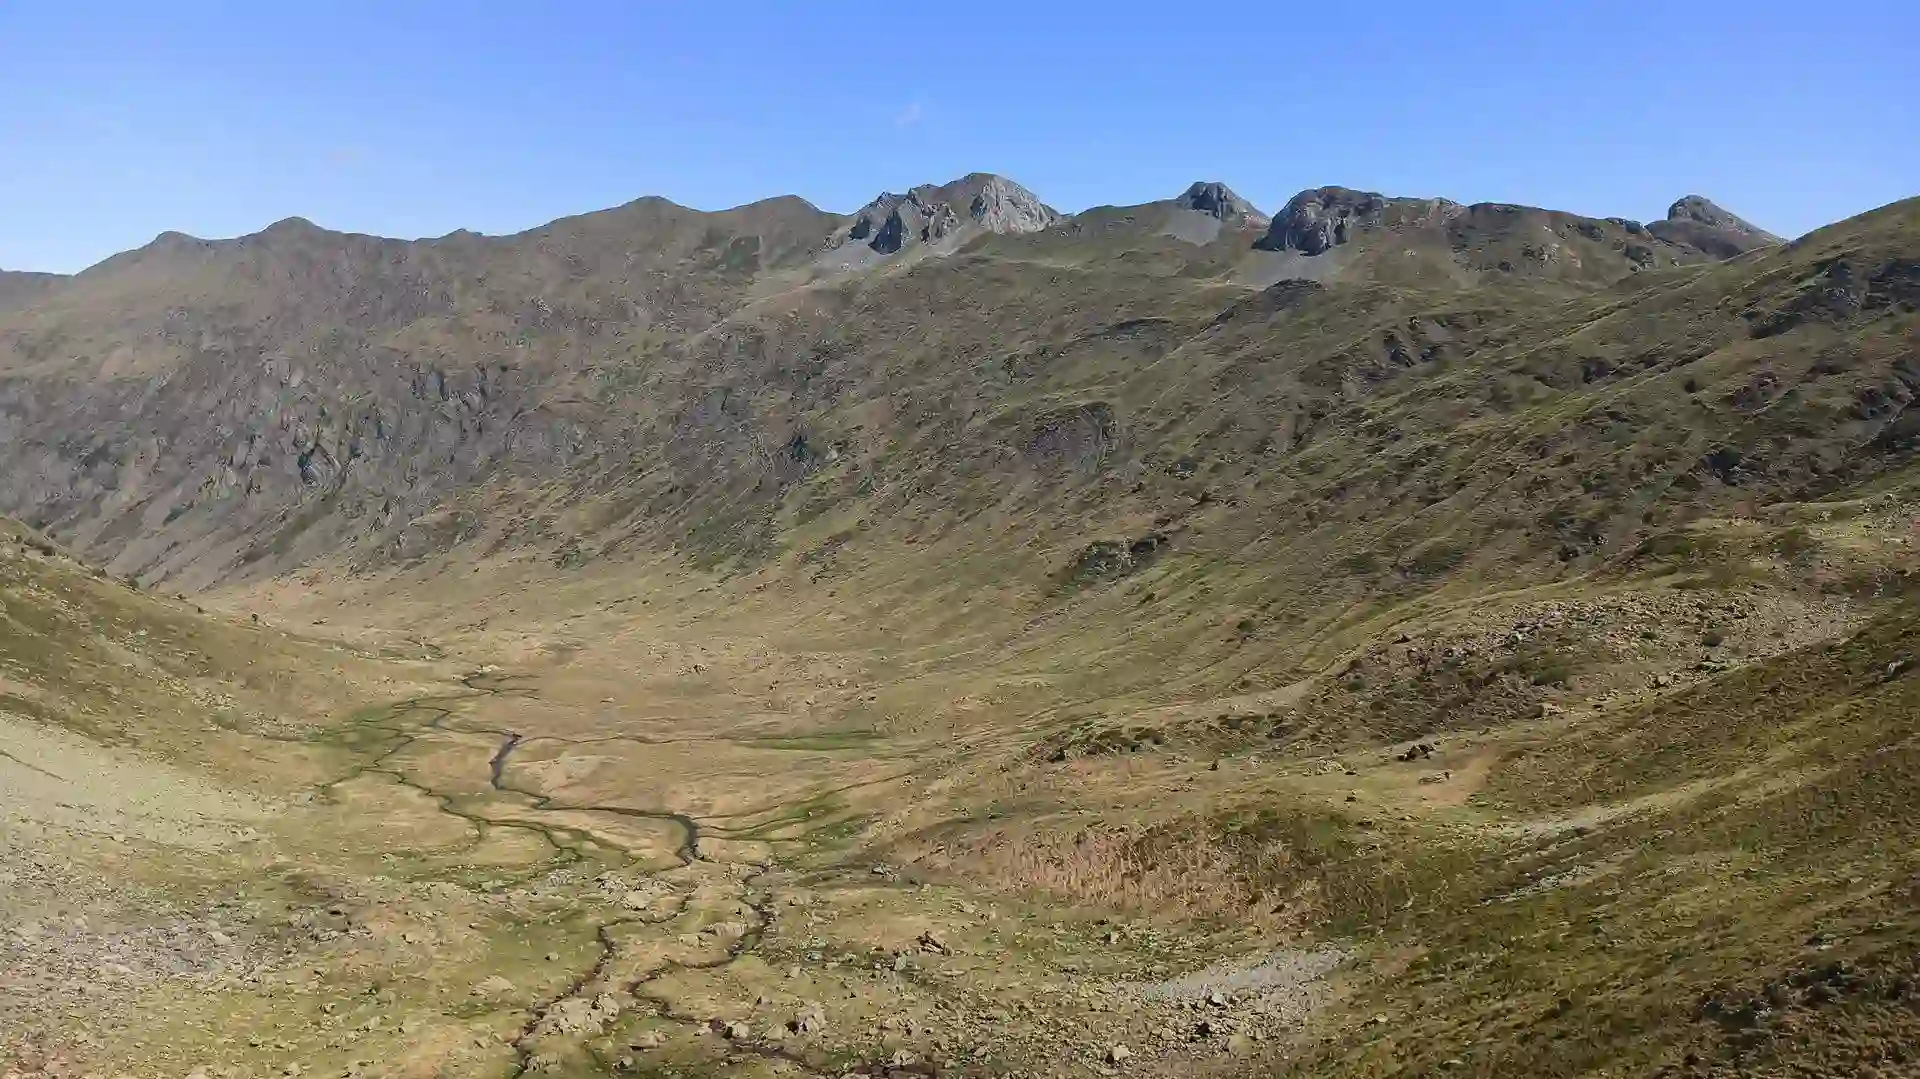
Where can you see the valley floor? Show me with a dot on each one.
(1658, 823)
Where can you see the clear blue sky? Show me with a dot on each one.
(121, 120)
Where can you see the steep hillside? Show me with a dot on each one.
(1005, 413)
(223, 398)
(221, 410)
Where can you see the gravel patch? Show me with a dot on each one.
(1284, 985)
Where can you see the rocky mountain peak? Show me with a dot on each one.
(933, 213)
(1706, 212)
(1697, 221)
(1215, 199)
(998, 204)
(1321, 218)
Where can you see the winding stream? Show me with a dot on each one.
(438, 710)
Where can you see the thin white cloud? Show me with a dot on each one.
(911, 115)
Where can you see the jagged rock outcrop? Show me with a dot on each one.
(931, 214)
(1216, 199)
(891, 221)
(1322, 218)
(1503, 238)
(1696, 222)
(1000, 205)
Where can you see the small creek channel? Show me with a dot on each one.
(437, 710)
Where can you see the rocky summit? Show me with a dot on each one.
(1316, 221)
(1696, 221)
(1398, 637)
(946, 213)
(1217, 200)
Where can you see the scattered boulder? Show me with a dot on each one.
(576, 1016)
(1106, 560)
(810, 1019)
(493, 987)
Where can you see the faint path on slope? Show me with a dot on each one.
(60, 779)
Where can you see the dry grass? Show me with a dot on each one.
(1128, 872)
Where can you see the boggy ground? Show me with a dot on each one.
(227, 856)
(492, 820)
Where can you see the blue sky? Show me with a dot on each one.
(120, 121)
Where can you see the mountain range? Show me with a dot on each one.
(183, 408)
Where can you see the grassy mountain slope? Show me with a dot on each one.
(1321, 446)
(353, 384)
(17, 288)
(300, 375)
